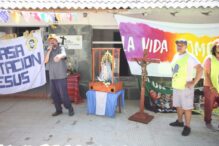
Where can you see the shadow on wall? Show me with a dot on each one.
(85, 76)
(84, 70)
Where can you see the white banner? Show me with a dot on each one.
(159, 38)
(21, 64)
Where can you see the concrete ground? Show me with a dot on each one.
(29, 122)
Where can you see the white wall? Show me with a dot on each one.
(191, 15)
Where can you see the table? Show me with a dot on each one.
(113, 100)
(73, 88)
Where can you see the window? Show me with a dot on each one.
(20, 30)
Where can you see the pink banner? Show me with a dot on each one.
(160, 44)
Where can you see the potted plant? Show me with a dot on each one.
(70, 65)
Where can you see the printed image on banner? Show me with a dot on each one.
(158, 98)
(21, 64)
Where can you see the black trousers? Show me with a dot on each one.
(59, 94)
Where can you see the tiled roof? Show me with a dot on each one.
(105, 4)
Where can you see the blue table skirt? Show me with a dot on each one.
(111, 102)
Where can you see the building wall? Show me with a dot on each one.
(186, 15)
(104, 19)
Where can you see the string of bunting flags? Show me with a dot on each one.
(47, 17)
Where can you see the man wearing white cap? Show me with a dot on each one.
(183, 84)
(55, 57)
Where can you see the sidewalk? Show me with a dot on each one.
(29, 122)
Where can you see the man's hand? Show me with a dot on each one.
(199, 71)
(190, 84)
(49, 48)
(57, 58)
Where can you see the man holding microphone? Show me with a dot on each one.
(55, 58)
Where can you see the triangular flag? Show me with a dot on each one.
(69, 16)
(58, 17)
(75, 16)
(36, 16)
(26, 15)
(4, 16)
(15, 16)
(43, 17)
(51, 17)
